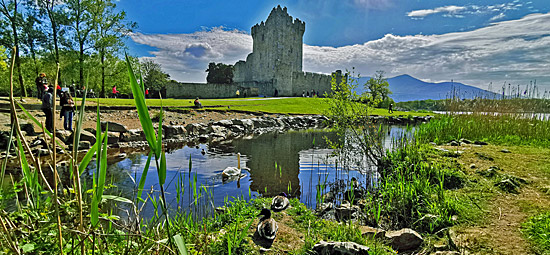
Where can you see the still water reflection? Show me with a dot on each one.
(294, 162)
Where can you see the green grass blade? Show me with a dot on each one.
(162, 170)
(180, 244)
(144, 175)
(103, 168)
(94, 211)
(116, 198)
(143, 112)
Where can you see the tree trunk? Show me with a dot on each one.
(102, 56)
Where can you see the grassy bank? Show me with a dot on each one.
(296, 105)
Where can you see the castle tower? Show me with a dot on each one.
(276, 53)
(277, 44)
(275, 63)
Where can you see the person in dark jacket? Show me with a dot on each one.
(47, 107)
(67, 110)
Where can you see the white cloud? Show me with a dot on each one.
(453, 11)
(516, 51)
(497, 17)
(448, 10)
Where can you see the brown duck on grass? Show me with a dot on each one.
(267, 227)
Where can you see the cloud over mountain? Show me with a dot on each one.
(515, 51)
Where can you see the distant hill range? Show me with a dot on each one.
(407, 88)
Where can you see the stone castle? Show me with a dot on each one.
(273, 68)
(276, 59)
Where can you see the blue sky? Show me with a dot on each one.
(475, 42)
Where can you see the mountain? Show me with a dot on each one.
(407, 88)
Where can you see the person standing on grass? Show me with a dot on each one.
(115, 92)
(47, 106)
(390, 108)
(40, 81)
(67, 110)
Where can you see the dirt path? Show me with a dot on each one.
(501, 231)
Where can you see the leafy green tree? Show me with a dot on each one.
(33, 38)
(219, 73)
(82, 16)
(108, 36)
(12, 16)
(153, 76)
(377, 89)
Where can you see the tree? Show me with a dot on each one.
(377, 89)
(83, 20)
(8, 9)
(56, 17)
(153, 76)
(109, 35)
(219, 73)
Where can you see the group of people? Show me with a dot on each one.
(66, 102)
(307, 94)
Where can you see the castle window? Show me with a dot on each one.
(262, 37)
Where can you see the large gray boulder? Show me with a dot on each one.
(404, 240)
(85, 136)
(113, 127)
(113, 137)
(133, 135)
(196, 129)
(340, 248)
(247, 124)
(173, 131)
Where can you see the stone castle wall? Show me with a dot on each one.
(305, 81)
(208, 90)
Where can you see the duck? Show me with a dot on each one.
(279, 202)
(267, 227)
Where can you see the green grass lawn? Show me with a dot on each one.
(296, 105)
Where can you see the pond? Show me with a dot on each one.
(294, 162)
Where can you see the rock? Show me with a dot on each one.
(113, 127)
(508, 185)
(480, 143)
(64, 135)
(246, 123)
(113, 137)
(370, 232)
(404, 240)
(91, 130)
(340, 248)
(133, 135)
(346, 211)
(173, 131)
(27, 127)
(85, 136)
(196, 129)
(322, 208)
(489, 173)
(223, 123)
(505, 151)
(84, 145)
